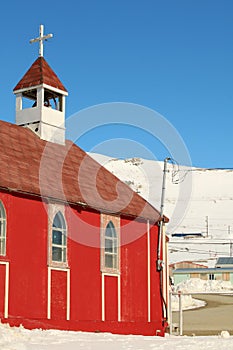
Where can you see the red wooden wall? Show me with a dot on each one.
(27, 247)
(58, 295)
(111, 298)
(134, 271)
(27, 253)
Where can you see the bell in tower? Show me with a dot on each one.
(40, 99)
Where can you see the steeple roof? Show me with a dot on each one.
(40, 73)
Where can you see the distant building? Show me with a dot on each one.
(186, 270)
(184, 265)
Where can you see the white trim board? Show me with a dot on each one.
(50, 268)
(6, 296)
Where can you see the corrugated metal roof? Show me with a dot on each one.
(202, 270)
(225, 261)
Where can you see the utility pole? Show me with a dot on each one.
(161, 223)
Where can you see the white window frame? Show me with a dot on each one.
(61, 230)
(115, 221)
(2, 230)
(53, 210)
(110, 246)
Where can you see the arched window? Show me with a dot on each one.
(110, 247)
(59, 239)
(2, 230)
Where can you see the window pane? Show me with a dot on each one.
(2, 238)
(57, 222)
(110, 230)
(108, 245)
(2, 246)
(114, 262)
(115, 246)
(57, 237)
(64, 239)
(108, 261)
(2, 228)
(56, 254)
(64, 254)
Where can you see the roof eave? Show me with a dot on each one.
(79, 203)
(46, 86)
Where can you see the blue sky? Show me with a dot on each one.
(172, 56)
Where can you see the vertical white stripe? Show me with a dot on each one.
(119, 298)
(166, 263)
(148, 271)
(103, 298)
(6, 291)
(165, 290)
(49, 294)
(68, 296)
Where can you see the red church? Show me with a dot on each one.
(78, 248)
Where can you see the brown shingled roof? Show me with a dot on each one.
(40, 73)
(34, 166)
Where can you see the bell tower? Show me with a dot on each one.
(40, 98)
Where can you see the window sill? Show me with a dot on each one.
(58, 265)
(109, 271)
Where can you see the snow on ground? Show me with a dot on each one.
(196, 285)
(187, 302)
(22, 339)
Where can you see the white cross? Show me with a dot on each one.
(41, 39)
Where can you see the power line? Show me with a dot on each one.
(202, 242)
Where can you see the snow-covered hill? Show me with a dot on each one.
(197, 201)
